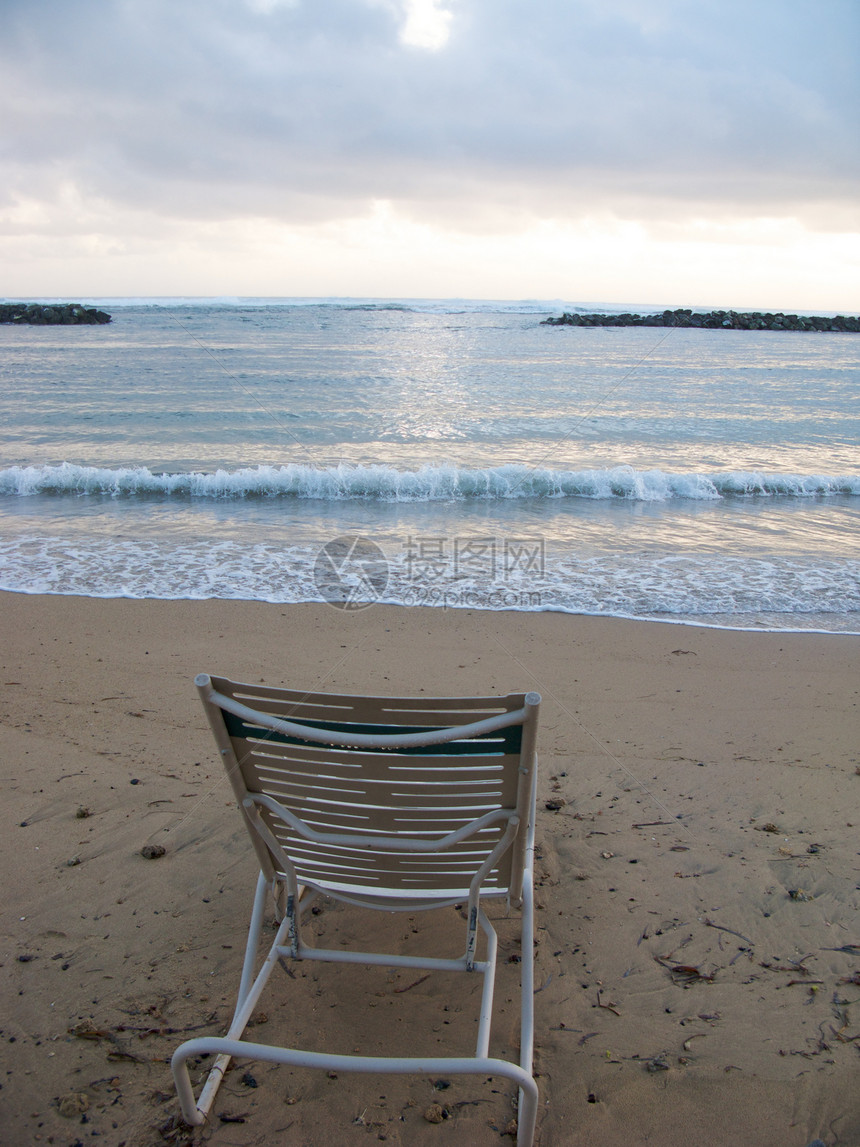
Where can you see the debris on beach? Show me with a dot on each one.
(152, 851)
(657, 1063)
(73, 1104)
(685, 974)
(436, 1113)
(87, 1030)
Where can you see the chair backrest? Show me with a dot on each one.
(405, 769)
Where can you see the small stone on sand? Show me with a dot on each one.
(73, 1104)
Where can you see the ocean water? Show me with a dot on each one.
(456, 454)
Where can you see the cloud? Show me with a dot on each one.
(458, 112)
(578, 149)
(426, 24)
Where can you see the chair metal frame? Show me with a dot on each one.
(299, 747)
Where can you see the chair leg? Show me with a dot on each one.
(250, 990)
(527, 977)
(293, 1057)
(527, 1115)
(253, 942)
(527, 1108)
(486, 1016)
(195, 1112)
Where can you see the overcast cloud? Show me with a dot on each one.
(470, 115)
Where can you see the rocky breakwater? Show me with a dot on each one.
(51, 314)
(714, 320)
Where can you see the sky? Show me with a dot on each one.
(664, 152)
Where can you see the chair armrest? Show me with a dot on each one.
(386, 843)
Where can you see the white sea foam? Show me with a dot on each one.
(428, 483)
(771, 593)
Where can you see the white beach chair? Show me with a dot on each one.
(386, 804)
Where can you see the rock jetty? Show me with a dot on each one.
(714, 320)
(51, 314)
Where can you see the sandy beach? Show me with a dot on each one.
(708, 785)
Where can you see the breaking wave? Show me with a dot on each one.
(427, 484)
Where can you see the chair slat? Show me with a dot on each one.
(365, 708)
(420, 792)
